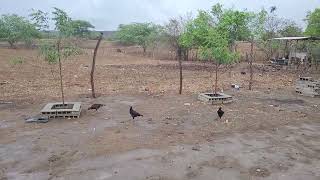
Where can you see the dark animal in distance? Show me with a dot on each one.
(134, 113)
(220, 112)
(243, 73)
(119, 50)
(96, 106)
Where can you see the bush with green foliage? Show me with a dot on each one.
(14, 28)
(81, 28)
(313, 19)
(16, 61)
(62, 47)
(136, 34)
(208, 33)
(290, 29)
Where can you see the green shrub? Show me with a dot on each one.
(16, 61)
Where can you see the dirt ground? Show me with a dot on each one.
(268, 133)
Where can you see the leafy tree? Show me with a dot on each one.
(313, 29)
(14, 28)
(63, 47)
(40, 19)
(256, 25)
(313, 19)
(216, 49)
(135, 33)
(233, 22)
(212, 41)
(81, 28)
(290, 29)
(272, 28)
(196, 29)
(63, 23)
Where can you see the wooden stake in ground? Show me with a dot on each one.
(60, 70)
(180, 67)
(251, 70)
(94, 65)
(216, 81)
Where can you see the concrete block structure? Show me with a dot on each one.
(307, 86)
(58, 110)
(209, 98)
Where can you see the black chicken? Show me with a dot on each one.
(134, 113)
(220, 112)
(96, 106)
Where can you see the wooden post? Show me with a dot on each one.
(216, 81)
(94, 64)
(251, 69)
(180, 67)
(60, 69)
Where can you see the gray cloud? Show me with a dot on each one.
(108, 14)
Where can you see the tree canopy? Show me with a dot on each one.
(14, 28)
(313, 19)
(208, 32)
(63, 23)
(66, 29)
(215, 47)
(81, 28)
(233, 22)
(40, 19)
(290, 29)
(136, 33)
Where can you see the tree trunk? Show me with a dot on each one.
(230, 70)
(216, 81)
(180, 67)
(94, 65)
(251, 69)
(196, 54)
(12, 46)
(185, 55)
(144, 51)
(285, 50)
(236, 47)
(60, 70)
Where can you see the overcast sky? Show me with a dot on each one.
(108, 14)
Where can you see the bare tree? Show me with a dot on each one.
(94, 65)
(174, 29)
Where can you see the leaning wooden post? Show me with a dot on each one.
(94, 64)
(251, 68)
(179, 51)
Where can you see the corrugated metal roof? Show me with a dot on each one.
(297, 38)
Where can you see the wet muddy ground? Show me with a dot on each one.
(262, 136)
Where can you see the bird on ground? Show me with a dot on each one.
(96, 106)
(220, 112)
(134, 113)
